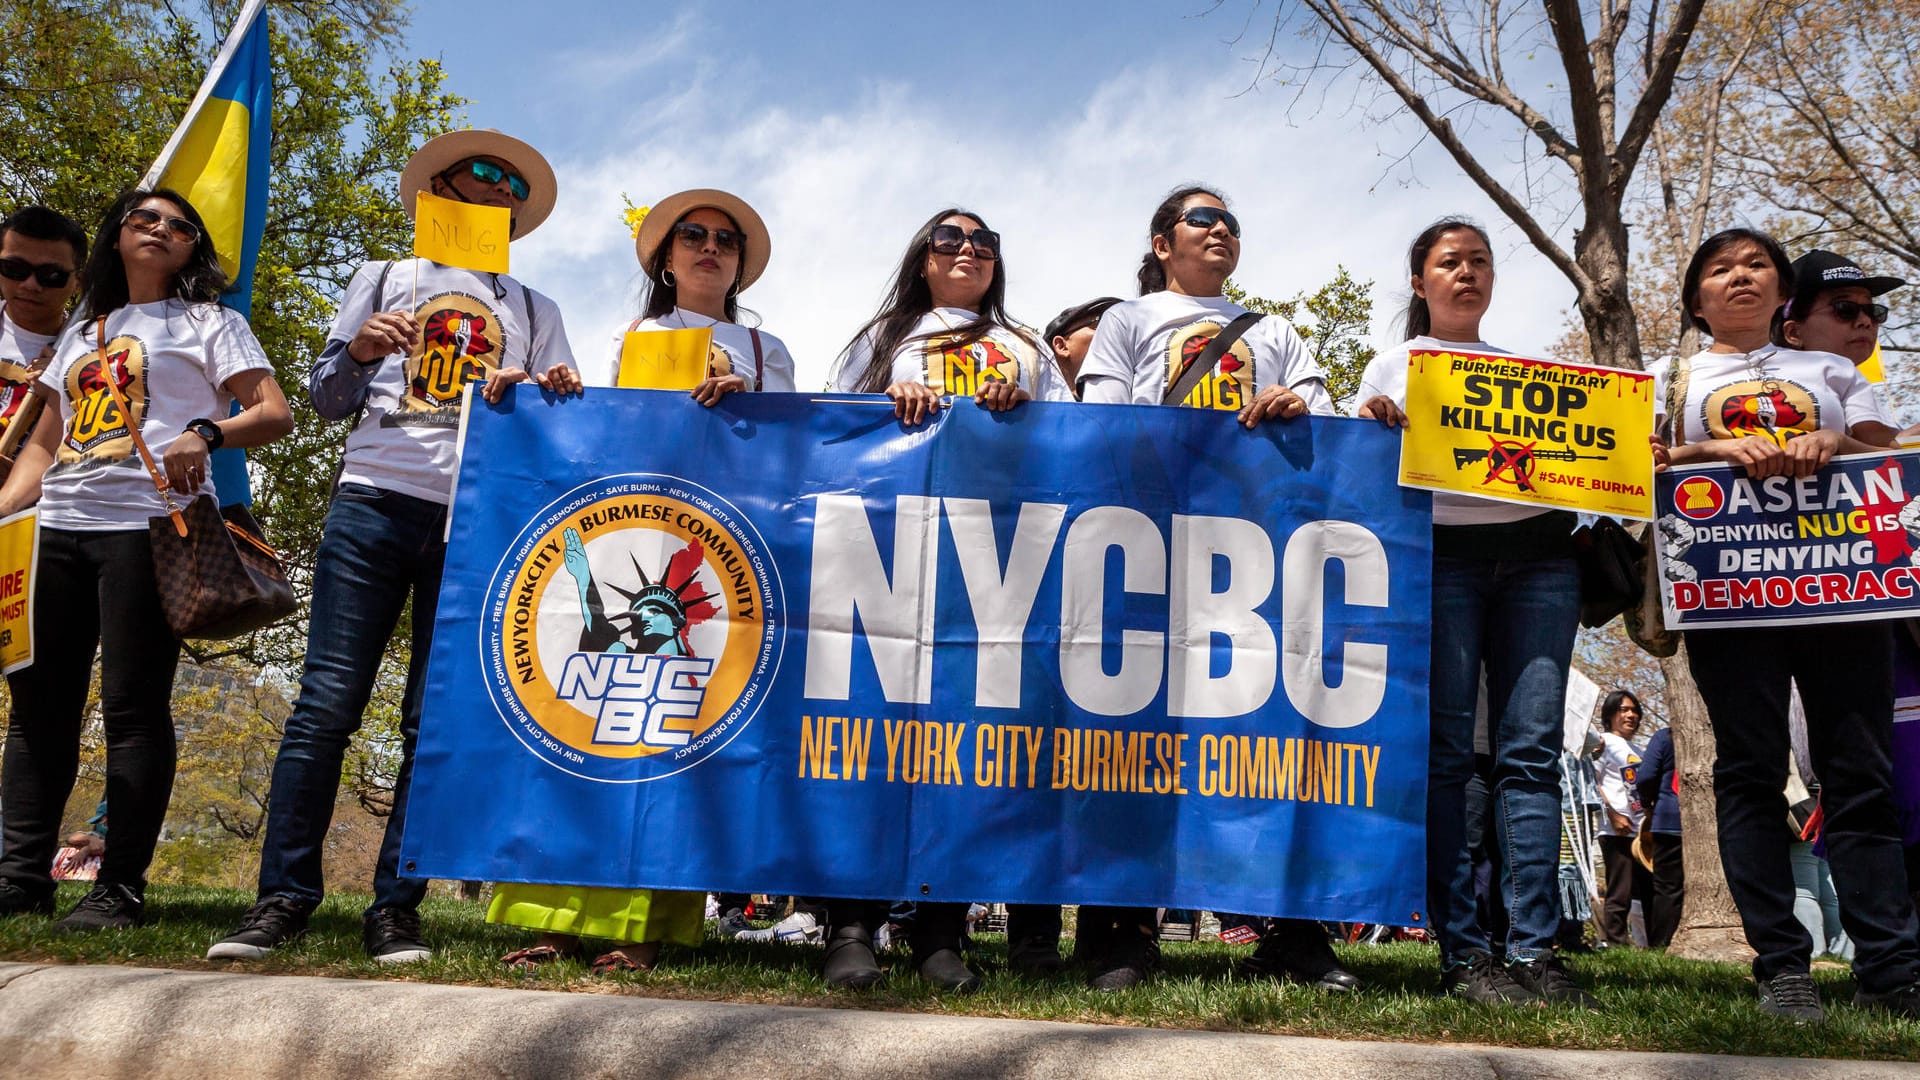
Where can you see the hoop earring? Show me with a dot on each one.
(666, 278)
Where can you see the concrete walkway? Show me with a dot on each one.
(95, 1022)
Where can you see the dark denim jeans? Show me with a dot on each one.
(1518, 618)
(1845, 675)
(379, 547)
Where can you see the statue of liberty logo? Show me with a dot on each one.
(656, 616)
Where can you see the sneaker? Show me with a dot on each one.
(1036, 954)
(1902, 1002)
(1548, 980)
(18, 900)
(1127, 963)
(1477, 976)
(799, 928)
(1298, 951)
(1791, 995)
(733, 924)
(107, 907)
(270, 923)
(392, 936)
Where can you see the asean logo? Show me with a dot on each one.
(633, 628)
(1699, 498)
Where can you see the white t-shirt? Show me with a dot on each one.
(1003, 354)
(1145, 344)
(1387, 374)
(19, 349)
(732, 351)
(172, 360)
(1619, 769)
(472, 324)
(1777, 393)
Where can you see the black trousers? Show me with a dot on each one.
(1669, 889)
(1627, 881)
(1845, 675)
(936, 924)
(94, 589)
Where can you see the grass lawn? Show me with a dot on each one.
(1652, 1002)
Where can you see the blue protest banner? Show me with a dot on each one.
(1066, 653)
(1836, 546)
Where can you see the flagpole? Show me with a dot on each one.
(248, 14)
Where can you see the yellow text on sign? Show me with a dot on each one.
(19, 550)
(1515, 430)
(461, 234)
(665, 359)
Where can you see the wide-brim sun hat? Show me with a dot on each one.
(664, 214)
(443, 152)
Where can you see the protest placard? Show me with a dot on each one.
(1836, 546)
(19, 559)
(1526, 431)
(675, 644)
(665, 359)
(467, 235)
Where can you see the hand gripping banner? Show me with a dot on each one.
(1066, 653)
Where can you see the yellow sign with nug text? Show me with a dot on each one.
(1534, 432)
(19, 559)
(465, 235)
(665, 359)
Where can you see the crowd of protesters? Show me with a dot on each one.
(133, 316)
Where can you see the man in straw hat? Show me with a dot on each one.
(409, 337)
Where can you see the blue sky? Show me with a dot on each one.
(1062, 123)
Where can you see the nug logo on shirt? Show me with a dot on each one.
(1229, 386)
(97, 430)
(633, 629)
(1771, 408)
(953, 368)
(460, 342)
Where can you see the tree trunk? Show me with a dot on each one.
(470, 890)
(1606, 307)
(1709, 923)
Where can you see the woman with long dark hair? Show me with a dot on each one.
(1786, 412)
(150, 321)
(1506, 599)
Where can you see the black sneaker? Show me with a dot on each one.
(392, 936)
(270, 923)
(1477, 976)
(1130, 958)
(1548, 980)
(106, 907)
(1295, 950)
(19, 900)
(1902, 1002)
(1791, 995)
(733, 924)
(1035, 955)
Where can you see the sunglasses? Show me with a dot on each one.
(1206, 217)
(949, 239)
(488, 173)
(1849, 310)
(694, 235)
(179, 228)
(48, 275)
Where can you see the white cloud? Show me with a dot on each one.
(1070, 190)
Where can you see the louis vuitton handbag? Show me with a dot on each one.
(217, 580)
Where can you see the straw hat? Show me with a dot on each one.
(444, 152)
(668, 211)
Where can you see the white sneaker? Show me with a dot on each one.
(799, 928)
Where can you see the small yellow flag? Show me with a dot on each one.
(665, 359)
(19, 561)
(1870, 367)
(461, 234)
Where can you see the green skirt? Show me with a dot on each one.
(628, 916)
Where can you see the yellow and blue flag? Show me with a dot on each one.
(219, 158)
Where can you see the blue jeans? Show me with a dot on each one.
(1519, 619)
(378, 547)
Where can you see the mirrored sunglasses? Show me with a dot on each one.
(488, 173)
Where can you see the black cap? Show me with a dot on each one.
(1819, 270)
(1075, 317)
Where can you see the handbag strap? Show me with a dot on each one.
(133, 429)
(1198, 367)
(1679, 374)
(759, 359)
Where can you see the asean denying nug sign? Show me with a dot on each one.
(631, 627)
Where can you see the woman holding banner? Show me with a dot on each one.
(1237, 361)
(151, 322)
(700, 250)
(1787, 412)
(1506, 599)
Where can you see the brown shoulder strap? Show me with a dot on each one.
(1679, 374)
(133, 428)
(759, 359)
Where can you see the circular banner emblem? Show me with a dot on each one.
(632, 630)
(1699, 498)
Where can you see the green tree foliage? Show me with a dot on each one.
(1334, 320)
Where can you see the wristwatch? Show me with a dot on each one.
(209, 431)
